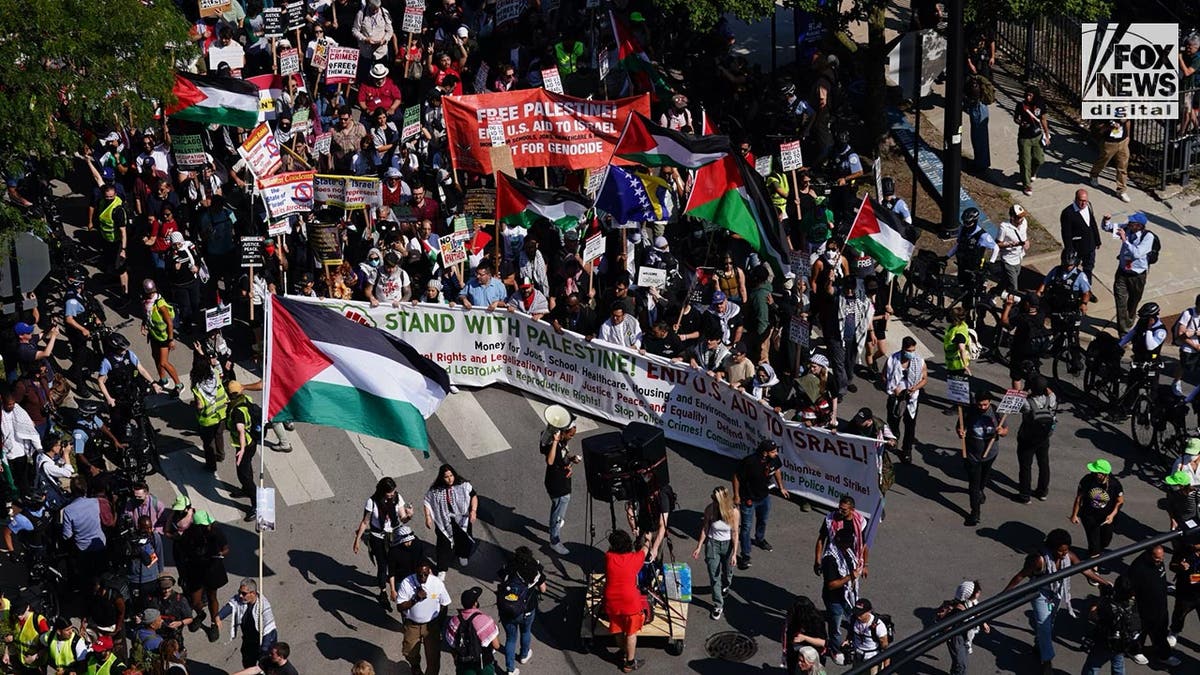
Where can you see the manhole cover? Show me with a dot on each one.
(730, 646)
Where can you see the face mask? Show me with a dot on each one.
(831, 256)
(905, 356)
(373, 262)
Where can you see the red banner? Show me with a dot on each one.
(540, 128)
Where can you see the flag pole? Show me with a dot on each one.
(268, 303)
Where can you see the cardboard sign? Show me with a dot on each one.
(593, 248)
(651, 277)
(801, 264)
(454, 250)
(799, 331)
(218, 317)
(789, 156)
(251, 249)
(289, 61)
(495, 131)
(295, 15)
(1013, 401)
(509, 10)
(322, 143)
(958, 389)
(278, 227)
(412, 123)
(414, 18)
(273, 22)
(551, 81)
(595, 180)
(287, 193)
(481, 77)
(763, 165)
(261, 152)
(214, 8)
(348, 192)
(480, 202)
(320, 58)
(343, 65)
(189, 151)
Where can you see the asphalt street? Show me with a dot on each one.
(324, 596)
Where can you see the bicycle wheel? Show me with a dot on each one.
(1141, 422)
(1064, 368)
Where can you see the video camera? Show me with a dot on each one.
(620, 466)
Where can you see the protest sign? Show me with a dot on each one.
(1013, 401)
(261, 152)
(651, 277)
(541, 128)
(214, 8)
(461, 224)
(762, 165)
(348, 192)
(302, 121)
(958, 389)
(218, 317)
(481, 78)
(287, 193)
(412, 123)
(551, 81)
(789, 156)
(479, 348)
(343, 65)
(189, 151)
(289, 61)
(480, 202)
(495, 131)
(595, 180)
(233, 56)
(272, 22)
(593, 248)
(602, 62)
(322, 143)
(320, 58)
(454, 250)
(509, 10)
(415, 3)
(801, 265)
(799, 331)
(251, 249)
(413, 19)
(277, 227)
(295, 15)
(323, 237)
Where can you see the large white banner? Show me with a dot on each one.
(1132, 68)
(480, 348)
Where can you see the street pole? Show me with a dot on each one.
(952, 156)
(774, 39)
(918, 47)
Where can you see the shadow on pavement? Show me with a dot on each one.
(352, 650)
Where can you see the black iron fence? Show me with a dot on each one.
(1048, 50)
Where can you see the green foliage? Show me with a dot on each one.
(704, 14)
(1084, 10)
(66, 65)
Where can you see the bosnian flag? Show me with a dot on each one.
(214, 99)
(646, 143)
(519, 203)
(324, 368)
(877, 232)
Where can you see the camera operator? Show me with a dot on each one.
(52, 468)
(89, 436)
(649, 509)
(171, 605)
(145, 562)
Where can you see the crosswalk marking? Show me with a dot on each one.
(386, 458)
(184, 469)
(470, 426)
(294, 474)
(582, 424)
(897, 328)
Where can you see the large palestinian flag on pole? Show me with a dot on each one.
(877, 231)
(325, 369)
(633, 59)
(728, 192)
(214, 99)
(646, 143)
(519, 203)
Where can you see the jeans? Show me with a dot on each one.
(1101, 655)
(980, 144)
(959, 655)
(838, 612)
(759, 510)
(1027, 450)
(1044, 611)
(720, 568)
(511, 634)
(558, 516)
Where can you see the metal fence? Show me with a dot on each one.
(1048, 50)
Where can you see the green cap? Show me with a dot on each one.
(1178, 478)
(202, 518)
(636, 17)
(181, 502)
(1193, 447)
(1100, 466)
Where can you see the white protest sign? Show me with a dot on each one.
(799, 331)
(218, 317)
(287, 193)
(1013, 401)
(322, 143)
(789, 156)
(551, 81)
(602, 62)
(289, 61)
(320, 57)
(593, 248)
(233, 55)
(958, 389)
(348, 192)
(343, 65)
(763, 165)
(213, 8)
(651, 277)
(508, 10)
(261, 151)
(495, 131)
(413, 19)
(278, 227)
(189, 151)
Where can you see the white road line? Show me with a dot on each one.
(897, 331)
(470, 426)
(185, 470)
(386, 458)
(294, 474)
(582, 424)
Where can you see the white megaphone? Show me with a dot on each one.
(558, 417)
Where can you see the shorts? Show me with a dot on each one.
(628, 624)
(159, 344)
(879, 327)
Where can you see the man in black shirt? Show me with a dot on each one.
(559, 465)
(274, 663)
(572, 315)
(662, 341)
(756, 475)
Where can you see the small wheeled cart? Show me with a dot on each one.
(669, 622)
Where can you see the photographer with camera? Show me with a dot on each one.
(52, 469)
(145, 560)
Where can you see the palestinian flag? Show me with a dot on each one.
(214, 99)
(631, 57)
(324, 368)
(729, 193)
(649, 144)
(877, 232)
(519, 203)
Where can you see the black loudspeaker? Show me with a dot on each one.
(603, 461)
(618, 464)
(647, 447)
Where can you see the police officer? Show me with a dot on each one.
(1147, 336)
(1066, 287)
(846, 167)
(971, 254)
(81, 316)
(899, 207)
(86, 436)
(113, 222)
(118, 372)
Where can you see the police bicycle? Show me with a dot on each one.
(1066, 355)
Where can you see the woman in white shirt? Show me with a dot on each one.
(384, 516)
(719, 544)
(1012, 243)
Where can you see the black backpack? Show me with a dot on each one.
(468, 650)
(513, 597)
(1155, 248)
(888, 623)
(1123, 628)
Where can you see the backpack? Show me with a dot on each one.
(1041, 341)
(1193, 323)
(468, 650)
(1123, 629)
(1040, 415)
(1155, 247)
(513, 597)
(888, 623)
(253, 420)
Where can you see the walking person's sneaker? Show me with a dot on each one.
(515, 671)
(716, 613)
(1172, 640)
(1095, 182)
(630, 666)
(1124, 197)
(1028, 191)
(764, 545)
(743, 563)
(1139, 659)
(1024, 499)
(525, 659)
(971, 520)
(559, 548)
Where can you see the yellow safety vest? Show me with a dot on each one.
(212, 411)
(62, 652)
(568, 60)
(105, 668)
(27, 636)
(156, 325)
(243, 416)
(955, 359)
(108, 228)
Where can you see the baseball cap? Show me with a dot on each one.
(393, 172)
(23, 328)
(1193, 447)
(862, 606)
(112, 137)
(151, 615)
(234, 387)
(1178, 478)
(526, 282)
(718, 297)
(1100, 466)
(470, 597)
(102, 643)
(463, 32)
(1018, 210)
(636, 17)
(767, 445)
(863, 414)
(181, 502)
(1138, 217)
(202, 518)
